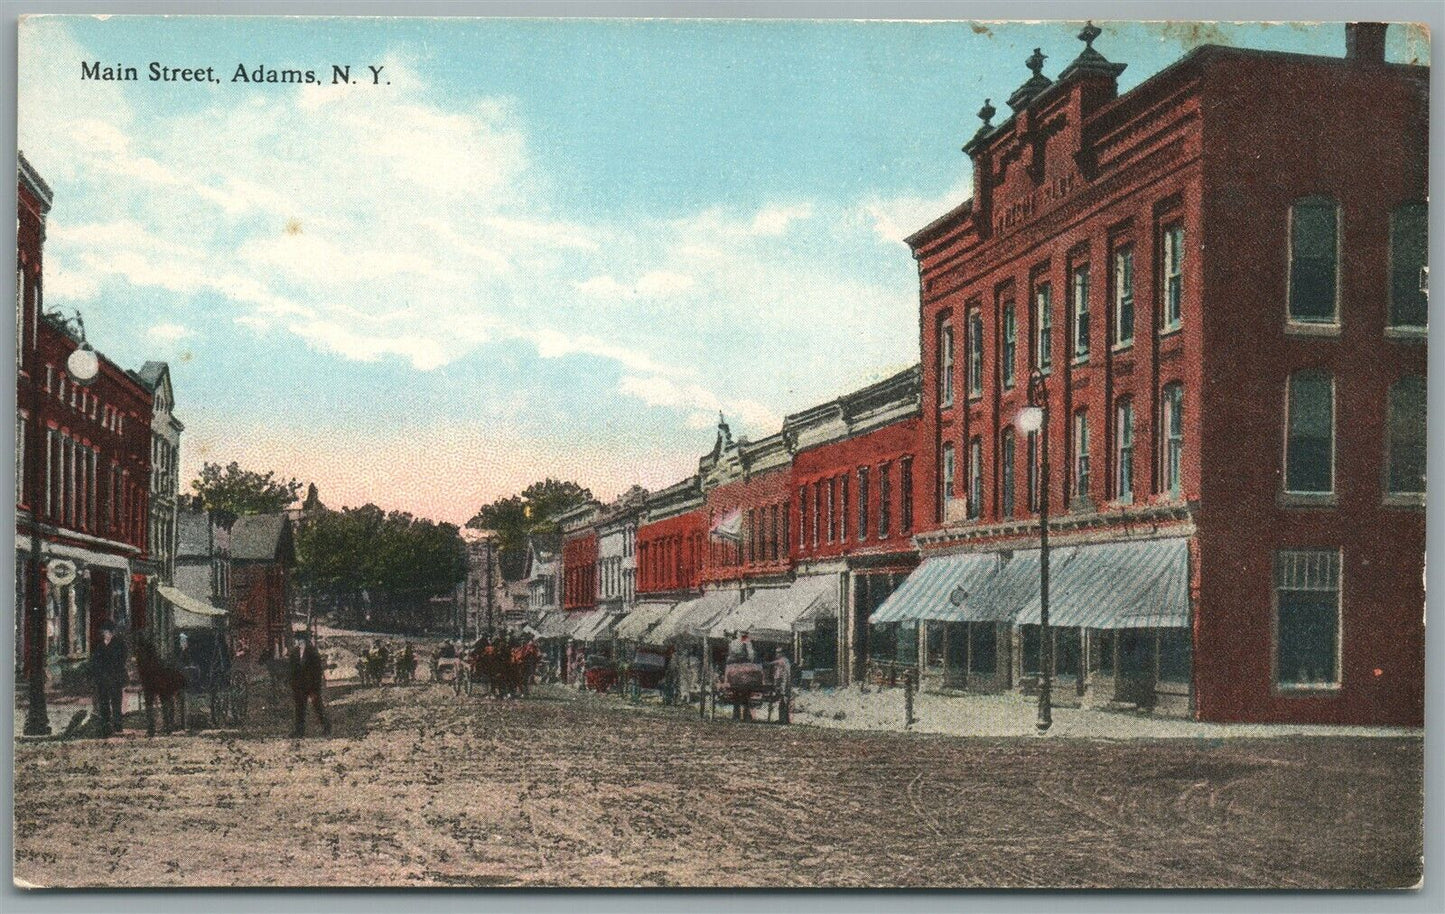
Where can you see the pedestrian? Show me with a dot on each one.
(740, 650)
(783, 684)
(108, 672)
(308, 680)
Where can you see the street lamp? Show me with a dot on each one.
(83, 366)
(1035, 418)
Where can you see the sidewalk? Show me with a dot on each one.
(1015, 715)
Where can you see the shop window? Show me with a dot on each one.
(1031, 653)
(933, 640)
(1314, 261)
(1307, 624)
(1409, 231)
(1068, 651)
(982, 648)
(1310, 420)
(906, 653)
(1176, 655)
(1102, 648)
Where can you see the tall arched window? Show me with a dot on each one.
(1408, 233)
(1310, 444)
(1171, 438)
(1006, 471)
(1124, 450)
(1405, 457)
(1314, 234)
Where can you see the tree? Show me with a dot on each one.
(239, 491)
(534, 511)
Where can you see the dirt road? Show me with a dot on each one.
(418, 787)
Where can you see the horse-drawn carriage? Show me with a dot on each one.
(746, 686)
(504, 671)
(206, 656)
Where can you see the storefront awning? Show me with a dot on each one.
(693, 618)
(595, 625)
(771, 613)
(637, 623)
(552, 625)
(190, 611)
(1143, 584)
(925, 594)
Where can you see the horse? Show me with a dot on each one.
(162, 680)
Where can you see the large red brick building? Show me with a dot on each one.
(1217, 275)
(83, 468)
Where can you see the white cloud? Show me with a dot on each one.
(774, 220)
(895, 218)
(654, 284)
(169, 332)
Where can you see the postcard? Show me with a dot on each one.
(702, 453)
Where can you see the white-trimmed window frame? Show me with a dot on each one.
(945, 363)
(1171, 285)
(1306, 580)
(1403, 330)
(1043, 326)
(1123, 269)
(1124, 450)
(1308, 325)
(1309, 495)
(1079, 296)
(1171, 439)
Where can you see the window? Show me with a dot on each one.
(947, 470)
(1124, 451)
(885, 500)
(817, 510)
(1313, 261)
(1006, 472)
(1081, 312)
(787, 528)
(1172, 313)
(752, 535)
(832, 508)
(1171, 430)
(905, 496)
(975, 353)
(1010, 344)
(1032, 446)
(1307, 620)
(862, 504)
(1081, 454)
(1405, 457)
(945, 365)
(1310, 420)
(1124, 296)
(975, 477)
(843, 512)
(802, 517)
(1408, 238)
(1043, 307)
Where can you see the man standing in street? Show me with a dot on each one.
(783, 683)
(108, 670)
(308, 679)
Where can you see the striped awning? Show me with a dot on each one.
(190, 612)
(637, 623)
(693, 618)
(593, 625)
(771, 613)
(925, 594)
(552, 625)
(1142, 584)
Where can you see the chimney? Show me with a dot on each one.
(1365, 41)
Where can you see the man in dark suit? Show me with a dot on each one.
(108, 670)
(308, 680)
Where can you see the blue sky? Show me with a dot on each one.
(546, 248)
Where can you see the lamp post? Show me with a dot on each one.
(1035, 418)
(83, 366)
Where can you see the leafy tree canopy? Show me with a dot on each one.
(534, 511)
(239, 491)
(385, 554)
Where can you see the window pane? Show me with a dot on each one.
(1407, 436)
(1043, 311)
(1124, 296)
(1408, 233)
(1032, 663)
(1310, 462)
(1081, 311)
(983, 648)
(975, 353)
(1006, 471)
(1308, 629)
(1176, 655)
(1313, 230)
(1010, 344)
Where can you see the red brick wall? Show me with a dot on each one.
(756, 497)
(579, 571)
(1308, 137)
(817, 469)
(670, 553)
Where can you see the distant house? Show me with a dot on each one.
(263, 552)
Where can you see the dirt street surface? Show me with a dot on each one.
(420, 787)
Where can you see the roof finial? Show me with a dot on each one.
(986, 113)
(1089, 33)
(1035, 63)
